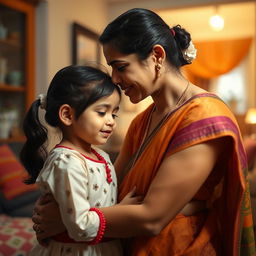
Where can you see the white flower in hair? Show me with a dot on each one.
(42, 98)
(190, 53)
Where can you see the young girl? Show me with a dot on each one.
(82, 102)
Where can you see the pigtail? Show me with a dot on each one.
(33, 153)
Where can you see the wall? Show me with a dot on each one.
(53, 34)
(119, 6)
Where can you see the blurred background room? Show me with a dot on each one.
(39, 37)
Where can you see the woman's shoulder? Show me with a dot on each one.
(208, 103)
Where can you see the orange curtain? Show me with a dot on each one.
(215, 58)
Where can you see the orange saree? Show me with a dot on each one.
(226, 227)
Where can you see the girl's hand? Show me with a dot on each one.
(131, 198)
(47, 219)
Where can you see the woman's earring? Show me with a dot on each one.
(158, 68)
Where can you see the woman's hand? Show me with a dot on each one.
(131, 198)
(47, 219)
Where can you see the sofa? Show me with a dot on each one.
(16, 204)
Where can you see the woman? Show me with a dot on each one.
(183, 153)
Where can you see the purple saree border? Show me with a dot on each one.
(205, 128)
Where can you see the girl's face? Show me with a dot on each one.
(96, 124)
(135, 77)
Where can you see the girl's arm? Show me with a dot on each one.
(179, 178)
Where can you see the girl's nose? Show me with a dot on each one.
(110, 121)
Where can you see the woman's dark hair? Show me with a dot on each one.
(77, 86)
(138, 30)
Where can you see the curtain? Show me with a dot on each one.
(215, 58)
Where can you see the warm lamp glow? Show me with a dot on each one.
(250, 117)
(216, 22)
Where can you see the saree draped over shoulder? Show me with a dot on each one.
(226, 228)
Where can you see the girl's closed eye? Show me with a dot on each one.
(114, 116)
(101, 113)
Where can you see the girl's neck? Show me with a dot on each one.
(83, 148)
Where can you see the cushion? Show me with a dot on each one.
(19, 206)
(12, 174)
(16, 235)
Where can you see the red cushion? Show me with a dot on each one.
(16, 235)
(12, 174)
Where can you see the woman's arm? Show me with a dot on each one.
(179, 178)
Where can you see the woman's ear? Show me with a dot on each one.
(66, 114)
(158, 56)
(158, 53)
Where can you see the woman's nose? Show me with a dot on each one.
(115, 78)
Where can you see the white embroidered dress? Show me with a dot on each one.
(78, 183)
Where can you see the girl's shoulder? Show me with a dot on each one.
(61, 161)
(64, 155)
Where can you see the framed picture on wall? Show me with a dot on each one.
(85, 46)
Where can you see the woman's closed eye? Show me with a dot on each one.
(121, 68)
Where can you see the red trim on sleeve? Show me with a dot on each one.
(102, 227)
(64, 237)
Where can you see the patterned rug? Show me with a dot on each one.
(16, 236)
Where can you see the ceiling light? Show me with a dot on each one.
(216, 21)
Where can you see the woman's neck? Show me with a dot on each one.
(171, 93)
(174, 91)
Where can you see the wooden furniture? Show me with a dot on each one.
(17, 66)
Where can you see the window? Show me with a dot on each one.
(231, 88)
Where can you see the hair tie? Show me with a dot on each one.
(42, 98)
(173, 32)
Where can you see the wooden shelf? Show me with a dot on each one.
(10, 42)
(11, 88)
(18, 48)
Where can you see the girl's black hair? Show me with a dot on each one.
(138, 30)
(77, 86)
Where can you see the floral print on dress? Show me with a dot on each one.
(95, 187)
(98, 204)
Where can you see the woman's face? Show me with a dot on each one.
(135, 77)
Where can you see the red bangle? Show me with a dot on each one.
(102, 227)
